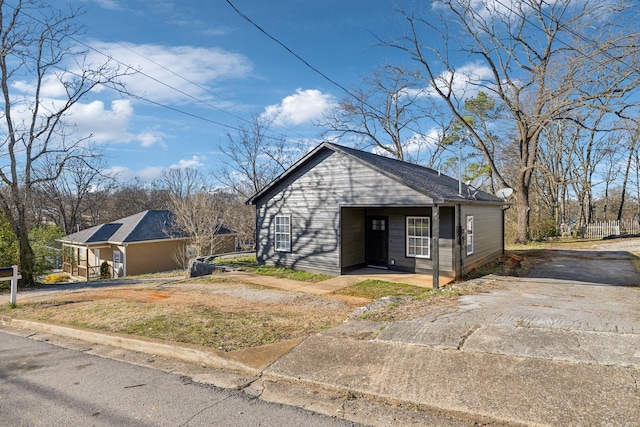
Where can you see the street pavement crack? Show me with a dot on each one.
(463, 339)
(255, 388)
(206, 408)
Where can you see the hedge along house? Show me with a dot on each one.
(142, 243)
(340, 209)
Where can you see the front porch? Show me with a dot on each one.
(407, 241)
(86, 263)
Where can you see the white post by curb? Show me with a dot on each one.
(14, 281)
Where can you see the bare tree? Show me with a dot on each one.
(241, 218)
(632, 144)
(127, 199)
(37, 45)
(67, 200)
(387, 113)
(253, 157)
(197, 208)
(543, 61)
(555, 161)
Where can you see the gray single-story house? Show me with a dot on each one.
(340, 209)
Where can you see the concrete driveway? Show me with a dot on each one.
(561, 347)
(580, 306)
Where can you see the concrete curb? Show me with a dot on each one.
(330, 400)
(345, 377)
(184, 352)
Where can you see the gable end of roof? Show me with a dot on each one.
(429, 182)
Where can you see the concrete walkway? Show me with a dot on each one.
(334, 283)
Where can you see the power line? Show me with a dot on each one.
(145, 99)
(262, 30)
(308, 65)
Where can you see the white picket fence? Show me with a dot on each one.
(599, 230)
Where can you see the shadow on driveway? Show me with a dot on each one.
(613, 268)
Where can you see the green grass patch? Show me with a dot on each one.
(376, 289)
(243, 262)
(249, 263)
(287, 273)
(414, 306)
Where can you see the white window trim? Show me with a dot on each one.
(428, 237)
(276, 233)
(470, 242)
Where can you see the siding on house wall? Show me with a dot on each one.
(152, 257)
(312, 197)
(488, 232)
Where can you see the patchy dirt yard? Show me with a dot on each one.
(229, 315)
(206, 312)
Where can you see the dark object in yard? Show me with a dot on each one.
(199, 268)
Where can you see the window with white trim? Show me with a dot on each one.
(283, 233)
(469, 234)
(418, 236)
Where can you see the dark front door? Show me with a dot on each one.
(376, 240)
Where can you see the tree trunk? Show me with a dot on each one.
(524, 212)
(27, 263)
(27, 256)
(626, 179)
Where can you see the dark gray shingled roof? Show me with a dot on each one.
(143, 226)
(427, 181)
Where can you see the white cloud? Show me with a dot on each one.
(416, 146)
(109, 125)
(51, 87)
(217, 31)
(151, 173)
(193, 162)
(302, 107)
(417, 143)
(465, 81)
(124, 174)
(167, 73)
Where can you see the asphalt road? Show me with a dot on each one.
(45, 385)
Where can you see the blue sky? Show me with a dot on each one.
(200, 58)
